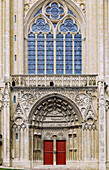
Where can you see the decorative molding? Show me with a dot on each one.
(6, 95)
(83, 101)
(18, 123)
(55, 134)
(91, 126)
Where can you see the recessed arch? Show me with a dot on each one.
(56, 105)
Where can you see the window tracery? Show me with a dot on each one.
(40, 25)
(54, 41)
(54, 10)
(68, 26)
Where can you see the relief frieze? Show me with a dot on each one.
(28, 98)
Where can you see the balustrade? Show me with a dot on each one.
(54, 80)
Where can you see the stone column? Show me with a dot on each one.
(7, 41)
(0, 39)
(54, 150)
(91, 37)
(20, 37)
(102, 129)
(93, 145)
(108, 136)
(28, 144)
(100, 40)
(80, 143)
(70, 146)
(106, 40)
(84, 144)
(6, 134)
(107, 132)
(102, 132)
(21, 144)
(14, 69)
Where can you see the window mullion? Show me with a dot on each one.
(36, 52)
(64, 54)
(45, 56)
(54, 55)
(26, 54)
(82, 58)
(73, 55)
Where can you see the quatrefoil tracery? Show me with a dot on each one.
(54, 11)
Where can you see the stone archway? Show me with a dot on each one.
(55, 118)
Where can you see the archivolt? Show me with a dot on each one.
(57, 106)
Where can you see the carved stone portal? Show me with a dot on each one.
(58, 118)
(54, 118)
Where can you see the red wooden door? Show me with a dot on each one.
(61, 152)
(48, 152)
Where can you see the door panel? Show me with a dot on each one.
(61, 152)
(48, 152)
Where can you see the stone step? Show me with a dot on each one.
(55, 168)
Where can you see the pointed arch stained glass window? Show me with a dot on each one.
(54, 41)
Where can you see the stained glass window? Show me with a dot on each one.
(69, 26)
(40, 54)
(54, 10)
(50, 54)
(68, 54)
(54, 41)
(31, 54)
(59, 54)
(40, 25)
(78, 54)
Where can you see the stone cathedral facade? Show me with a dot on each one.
(54, 77)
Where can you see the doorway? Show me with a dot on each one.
(48, 152)
(60, 153)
